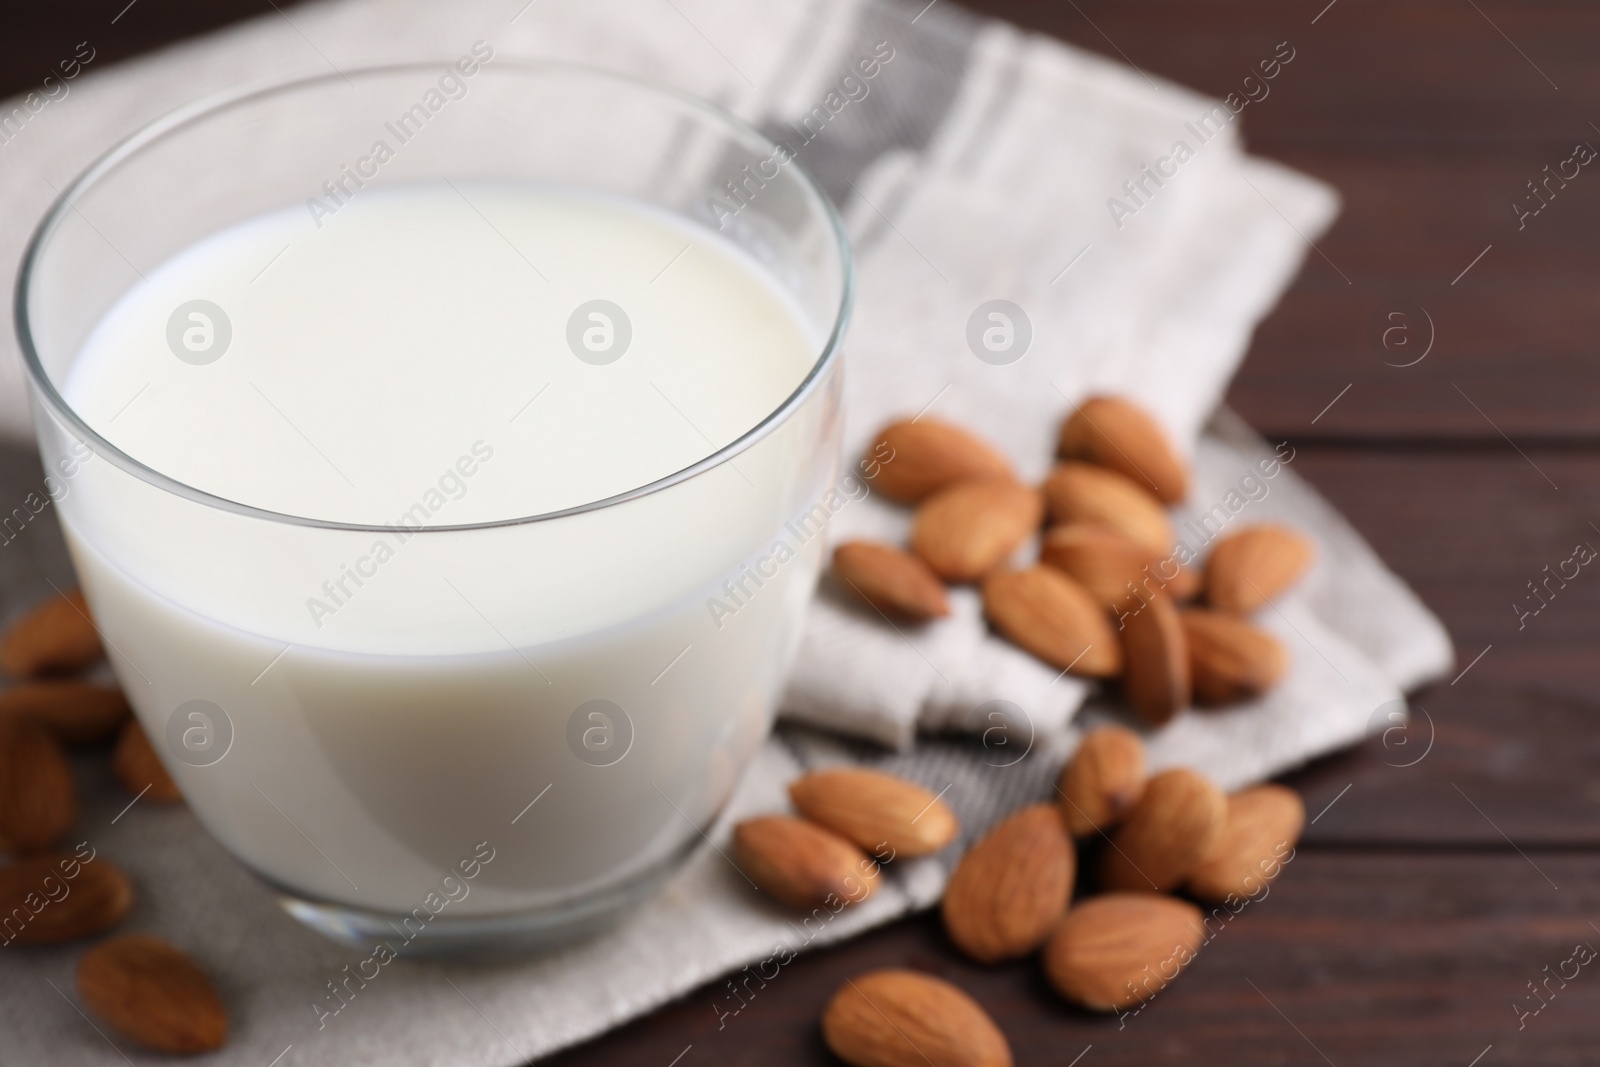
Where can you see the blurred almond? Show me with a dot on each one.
(37, 801)
(876, 811)
(1102, 780)
(138, 768)
(1185, 583)
(1010, 889)
(1120, 949)
(1167, 833)
(1249, 569)
(56, 637)
(968, 530)
(59, 896)
(1262, 826)
(74, 713)
(1082, 492)
(1155, 676)
(150, 992)
(891, 580)
(916, 459)
(1099, 558)
(800, 863)
(909, 1019)
(1231, 659)
(1054, 618)
(1118, 434)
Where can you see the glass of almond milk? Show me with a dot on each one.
(427, 438)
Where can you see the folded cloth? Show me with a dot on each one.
(978, 164)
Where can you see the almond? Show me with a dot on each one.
(1010, 889)
(1184, 585)
(908, 1019)
(138, 768)
(37, 802)
(968, 530)
(74, 713)
(1099, 558)
(1119, 434)
(61, 897)
(152, 993)
(1155, 677)
(1231, 659)
(893, 581)
(1263, 824)
(917, 458)
(1168, 832)
(801, 864)
(1250, 568)
(1080, 492)
(1102, 780)
(1053, 617)
(1120, 949)
(883, 814)
(57, 637)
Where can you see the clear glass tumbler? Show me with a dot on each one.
(518, 765)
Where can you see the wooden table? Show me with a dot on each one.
(1426, 897)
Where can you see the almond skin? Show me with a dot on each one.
(1102, 780)
(1118, 434)
(1262, 826)
(1010, 889)
(801, 864)
(891, 580)
(968, 530)
(1081, 492)
(1249, 569)
(1120, 949)
(1231, 659)
(908, 1019)
(1100, 559)
(74, 713)
(917, 459)
(37, 801)
(883, 814)
(62, 896)
(57, 637)
(1156, 678)
(1184, 585)
(152, 993)
(137, 766)
(1168, 832)
(1053, 617)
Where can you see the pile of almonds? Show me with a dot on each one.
(142, 987)
(1104, 599)
(1144, 838)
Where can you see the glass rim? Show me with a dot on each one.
(216, 103)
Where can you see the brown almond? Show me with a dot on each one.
(74, 713)
(1120, 949)
(1262, 826)
(1009, 890)
(1102, 780)
(800, 863)
(1053, 617)
(138, 768)
(915, 459)
(1167, 833)
(1155, 676)
(1249, 569)
(37, 801)
(1185, 584)
(887, 816)
(1231, 659)
(57, 637)
(1118, 434)
(1082, 492)
(1101, 559)
(150, 992)
(59, 896)
(968, 530)
(908, 1019)
(891, 580)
